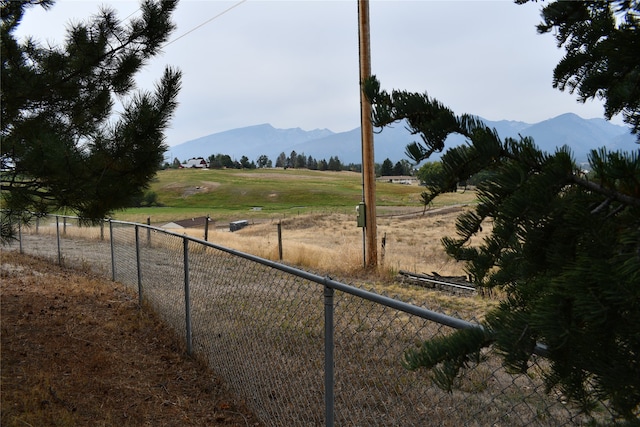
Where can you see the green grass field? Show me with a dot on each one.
(227, 193)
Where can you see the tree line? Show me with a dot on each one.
(299, 161)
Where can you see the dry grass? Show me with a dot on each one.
(68, 228)
(330, 241)
(333, 242)
(77, 350)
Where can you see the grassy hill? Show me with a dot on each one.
(227, 193)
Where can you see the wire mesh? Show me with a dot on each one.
(162, 276)
(123, 240)
(80, 246)
(261, 329)
(373, 388)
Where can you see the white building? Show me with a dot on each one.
(196, 162)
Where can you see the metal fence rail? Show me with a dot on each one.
(301, 349)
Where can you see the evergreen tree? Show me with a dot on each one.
(301, 161)
(334, 164)
(354, 167)
(397, 169)
(281, 161)
(226, 161)
(564, 248)
(61, 145)
(292, 159)
(263, 161)
(312, 163)
(401, 168)
(214, 162)
(387, 168)
(244, 162)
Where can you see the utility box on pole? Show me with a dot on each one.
(361, 215)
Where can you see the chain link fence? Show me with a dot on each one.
(299, 348)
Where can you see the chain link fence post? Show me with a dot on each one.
(58, 239)
(280, 240)
(138, 267)
(328, 356)
(187, 299)
(20, 235)
(149, 232)
(113, 254)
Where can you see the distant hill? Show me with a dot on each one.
(581, 135)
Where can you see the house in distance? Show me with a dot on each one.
(196, 162)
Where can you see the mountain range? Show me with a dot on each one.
(581, 135)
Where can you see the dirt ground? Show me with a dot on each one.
(77, 351)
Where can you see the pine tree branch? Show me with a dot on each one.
(148, 44)
(608, 192)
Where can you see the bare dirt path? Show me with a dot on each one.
(77, 351)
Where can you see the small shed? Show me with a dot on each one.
(237, 225)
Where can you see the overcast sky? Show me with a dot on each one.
(295, 63)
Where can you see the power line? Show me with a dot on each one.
(205, 23)
(194, 28)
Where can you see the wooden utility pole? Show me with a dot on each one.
(368, 163)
